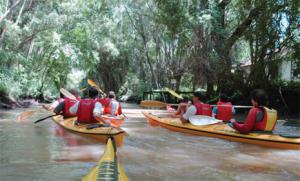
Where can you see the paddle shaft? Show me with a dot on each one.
(235, 106)
(37, 121)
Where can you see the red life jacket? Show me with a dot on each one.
(203, 109)
(198, 106)
(224, 111)
(85, 111)
(68, 103)
(269, 120)
(206, 110)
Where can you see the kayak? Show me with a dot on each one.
(116, 121)
(221, 130)
(108, 168)
(91, 130)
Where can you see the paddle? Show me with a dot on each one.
(173, 93)
(42, 119)
(150, 103)
(67, 94)
(289, 135)
(93, 84)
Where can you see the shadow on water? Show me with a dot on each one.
(46, 152)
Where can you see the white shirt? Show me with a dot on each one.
(96, 112)
(191, 111)
(114, 107)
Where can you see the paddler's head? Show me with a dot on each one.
(224, 98)
(93, 92)
(197, 97)
(111, 94)
(259, 98)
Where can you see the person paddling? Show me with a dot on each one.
(88, 110)
(53, 105)
(114, 107)
(182, 107)
(64, 106)
(198, 108)
(224, 109)
(259, 118)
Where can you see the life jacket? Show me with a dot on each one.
(224, 111)
(85, 111)
(68, 103)
(269, 120)
(203, 109)
(198, 106)
(206, 110)
(108, 108)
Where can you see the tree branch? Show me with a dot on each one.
(9, 10)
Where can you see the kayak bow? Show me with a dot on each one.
(108, 168)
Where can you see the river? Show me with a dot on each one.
(43, 151)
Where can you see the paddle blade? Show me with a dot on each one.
(149, 103)
(67, 94)
(25, 115)
(115, 122)
(173, 93)
(93, 84)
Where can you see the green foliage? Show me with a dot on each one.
(134, 46)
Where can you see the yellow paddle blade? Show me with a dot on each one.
(150, 103)
(93, 84)
(173, 93)
(67, 94)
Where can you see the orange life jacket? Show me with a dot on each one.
(108, 108)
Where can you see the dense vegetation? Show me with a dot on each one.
(132, 46)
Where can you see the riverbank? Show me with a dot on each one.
(7, 102)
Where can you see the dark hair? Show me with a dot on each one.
(259, 96)
(92, 92)
(224, 98)
(199, 95)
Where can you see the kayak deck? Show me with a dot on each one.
(225, 132)
(99, 133)
(108, 168)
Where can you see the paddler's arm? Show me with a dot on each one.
(191, 111)
(248, 124)
(74, 108)
(58, 109)
(97, 112)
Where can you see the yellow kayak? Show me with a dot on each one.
(225, 132)
(99, 133)
(108, 168)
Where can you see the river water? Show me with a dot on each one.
(43, 151)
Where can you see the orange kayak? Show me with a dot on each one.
(225, 132)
